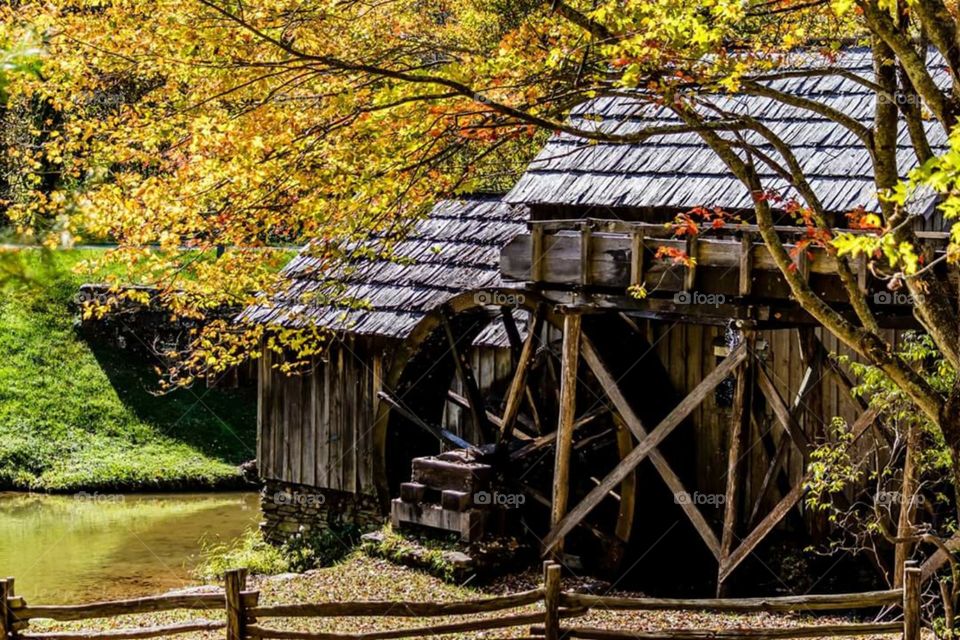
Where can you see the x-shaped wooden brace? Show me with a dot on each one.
(647, 443)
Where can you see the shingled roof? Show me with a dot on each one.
(679, 171)
(455, 248)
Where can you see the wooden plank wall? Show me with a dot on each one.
(316, 428)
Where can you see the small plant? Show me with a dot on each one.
(250, 551)
(311, 550)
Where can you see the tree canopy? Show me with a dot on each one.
(175, 128)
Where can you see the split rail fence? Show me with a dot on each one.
(246, 618)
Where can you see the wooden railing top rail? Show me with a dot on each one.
(112, 608)
(818, 602)
(399, 608)
(601, 225)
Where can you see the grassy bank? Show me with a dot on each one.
(75, 415)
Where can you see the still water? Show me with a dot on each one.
(87, 547)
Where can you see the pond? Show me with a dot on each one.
(90, 546)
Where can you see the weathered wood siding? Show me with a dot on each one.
(316, 428)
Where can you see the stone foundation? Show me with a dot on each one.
(289, 509)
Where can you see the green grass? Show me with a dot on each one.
(75, 415)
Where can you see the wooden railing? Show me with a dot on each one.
(246, 618)
(733, 261)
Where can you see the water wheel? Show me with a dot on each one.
(433, 400)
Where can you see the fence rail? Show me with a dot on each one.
(245, 617)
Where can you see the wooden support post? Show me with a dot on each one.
(536, 260)
(636, 258)
(6, 619)
(739, 426)
(911, 601)
(908, 491)
(746, 264)
(235, 582)
(690, 277)
(568, 408)
(586, 252)
(551, 600)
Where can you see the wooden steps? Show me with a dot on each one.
(442, 494)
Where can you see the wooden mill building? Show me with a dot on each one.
(688, 414)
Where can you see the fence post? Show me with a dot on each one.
(234, 583)
(911, 601)
(551, 600)
(6, 620)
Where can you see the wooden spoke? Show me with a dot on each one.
(513, 333)
(465, 373)
(439, 433)
(518, 384)
(646, 445)
(494, 419)
(595, 530)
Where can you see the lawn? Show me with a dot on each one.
(75, 415)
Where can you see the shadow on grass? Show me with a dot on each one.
(220, 423)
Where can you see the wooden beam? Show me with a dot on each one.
(586, 253)
(746, 264)
(537, 253)
(440, 434)
(568, 408)
(518, 385)
(739, 423)
(645, 446)
(690, 275)
(636, 257)
(633, 422)
(777, 514)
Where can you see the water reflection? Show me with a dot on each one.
(93, 546)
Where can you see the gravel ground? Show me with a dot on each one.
(362, 578)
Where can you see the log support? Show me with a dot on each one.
(739, 428)
(568, 408)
